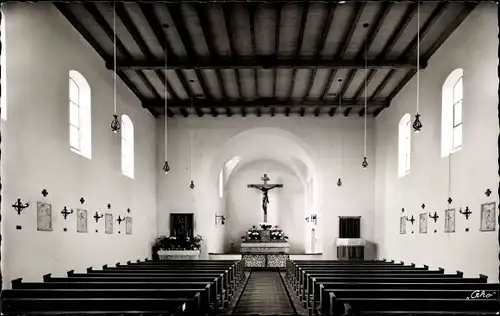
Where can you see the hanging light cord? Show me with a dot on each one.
(114, 56)
(418, 54)
(165, 97)
(366, 84)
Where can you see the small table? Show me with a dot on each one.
(178, 254)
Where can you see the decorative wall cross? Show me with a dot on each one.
(82, 200)
(434, 217)
(412, 220)
(467, 212)
(120, 220)
(65, 212)
(449, 200)
(97, 216)
(19, 206)
(488, 192)
(45, 192)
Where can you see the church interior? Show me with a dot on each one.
(231, 157)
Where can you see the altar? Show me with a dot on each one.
(265, 248)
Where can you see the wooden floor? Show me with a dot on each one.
(264, 294)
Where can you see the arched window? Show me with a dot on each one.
(221, 184)
(80, 133)
(127, 146)
(404, 146)
(3, 72)
(451, 113)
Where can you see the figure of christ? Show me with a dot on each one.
(265, 188)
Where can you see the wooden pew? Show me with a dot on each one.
(314, 298)
(409, 305)
(324, 302)
(46, 294)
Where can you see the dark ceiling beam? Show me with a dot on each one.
(180, 25)
(259, 113)
(287, 111)
(247, 1)
(317, 111)
(383, 84)
(362, 112)
(214, 112)
(365, 47)
(243, 112)
(377, 112)
(139, 40)
(103, 24)
(332, 111)
(424, 29)
(228, 112)
(227, 21)
(169, 113)
(208, 34)
(468, 8)
(273, 111)
(266, 62)
(345, 40)
(148, 12)
(266, 102)
(347, 111)
(199, 112)
(396, 35)
(277, 45)
(300, 40)
(320, 45)
(72, 19)
(251, 17)
(302, 111)
(184, 112)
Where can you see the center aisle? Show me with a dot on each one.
(264, 294)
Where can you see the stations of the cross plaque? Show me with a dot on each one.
(265, 188)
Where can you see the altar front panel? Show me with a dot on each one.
(265, 260)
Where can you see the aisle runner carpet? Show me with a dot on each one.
(264, 294)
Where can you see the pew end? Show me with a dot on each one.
(460, 273)
(441, 269)
(16, 281)
(138, 260)
(105, 266)
(89, 269)
(70, 273)
(483, 277)
(426, 267)
(402, 262)
(117, 264)
(47, 277)
(128, 262)
(413, 265)
(392, 261)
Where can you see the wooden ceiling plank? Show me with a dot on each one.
(227, 21)
(320, 45)
(208, 34)
(180, 25)
(346, 40)
(468, 8)
(277, 45)
(370, 37)
(251, 12)
(347, 111)
(300, 40)
(332, 111)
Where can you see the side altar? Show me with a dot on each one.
(265, 248)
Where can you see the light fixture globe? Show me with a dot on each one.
(364, 163)
(191, 185)
(115, 124)
(166, 167)
(417, 124)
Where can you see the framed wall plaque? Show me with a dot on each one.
(43, 216)
(108, 223)
(488, 211)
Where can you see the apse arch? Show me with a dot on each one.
(267, 143)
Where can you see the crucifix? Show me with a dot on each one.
(265, 188)
(19, 206)
(97, 216)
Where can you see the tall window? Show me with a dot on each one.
(221, 184)
(127, 146)
(3, 73)
(451, 118)
(404, 147)
(79, 115)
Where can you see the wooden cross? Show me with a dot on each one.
(97, 216)
(412, 219)
(65, 212)
(265, 188)
(434, 217)
(466, 213)
(19, 206)
(120, 220)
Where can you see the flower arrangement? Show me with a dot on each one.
(278, 234)
(253, 234)
(177, 243)
(265, 226)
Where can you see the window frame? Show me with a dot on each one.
(127, 147)
(78, 111)
(455, 148)
(404, 145)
